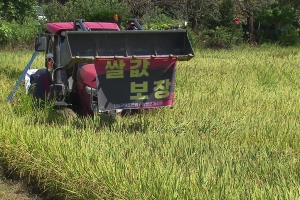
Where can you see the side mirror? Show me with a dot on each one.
(40, 44)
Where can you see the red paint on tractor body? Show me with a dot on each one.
(57, 27)
(88, 74)
(43, 75)
(86, 77)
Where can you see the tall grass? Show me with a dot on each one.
(233, 134)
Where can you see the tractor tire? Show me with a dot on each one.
(36, 100)
(67, 113)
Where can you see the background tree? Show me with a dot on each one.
(249, 9)
(284, 20)
(16, 10)
(200, 12)
(292, 3)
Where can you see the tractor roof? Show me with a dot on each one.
(57, 27)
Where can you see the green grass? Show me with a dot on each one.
(234, 133)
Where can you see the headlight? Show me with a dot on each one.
(91, 91)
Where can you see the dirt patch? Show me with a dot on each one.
(11, 190)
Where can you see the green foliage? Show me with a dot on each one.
(221, 37)
(222, 32)
(210, 22)
(160, 26)
(266, 36)
(289, 37)
(16, 10)
(250, 7)
(18, 23)
(232, 31)
(5, 32)
(102, 16)
(278, 14)
(227, 15)
(163, 22)
(75, 9)
(196, 40)
(56, 12)
(282, 18)
(81, 8)
(11, 34)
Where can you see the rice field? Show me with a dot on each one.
(233, 133)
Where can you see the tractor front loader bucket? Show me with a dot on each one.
(110, 44)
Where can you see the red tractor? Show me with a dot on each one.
(94, 67)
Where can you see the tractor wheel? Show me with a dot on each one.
(67, 113)
(32, 92)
